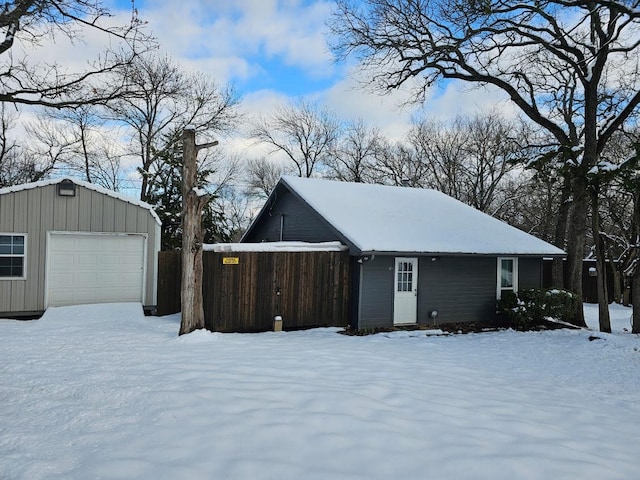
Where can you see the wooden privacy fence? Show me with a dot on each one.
(244, 291)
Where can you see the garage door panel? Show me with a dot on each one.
(61, 278)
(86, 260)
(114, 279)
(94, 269)
(63, 259)
(86, 278)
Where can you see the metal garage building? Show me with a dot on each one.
(67, 242)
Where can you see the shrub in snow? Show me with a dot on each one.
(529, 308)
(560, 305)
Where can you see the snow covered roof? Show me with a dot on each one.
(380, 218)
(275, 247)
(90, 186)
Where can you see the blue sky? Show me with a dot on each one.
(276, 45)
(274, 51)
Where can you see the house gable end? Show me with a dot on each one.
(287, 217)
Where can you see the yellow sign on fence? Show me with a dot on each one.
(230, 260)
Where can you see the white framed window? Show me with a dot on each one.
(507, 275)
(13, 254)
(404, 276)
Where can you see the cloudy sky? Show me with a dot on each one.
(276, 50)
(271, 52)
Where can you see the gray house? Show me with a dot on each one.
(66, 242)
(418, 256)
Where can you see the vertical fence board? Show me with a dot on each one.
(168, 290)
(243, 297)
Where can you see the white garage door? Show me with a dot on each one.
(94, 269)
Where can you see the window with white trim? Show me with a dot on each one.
(507, 275)
(13, 247)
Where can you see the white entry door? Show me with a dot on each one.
(94, 268)
(405, 305)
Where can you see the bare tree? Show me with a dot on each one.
(77, 142)
(81, 124)
(50, 148)
(353, 158)
(619, 232)
(396, 164)
(262, 176)
(570, 67)
(164, 98)
(108, 170)
(28, 24)
(237, 208)
(468, 159)
(14, 167)
(301, 132)
(438, 149)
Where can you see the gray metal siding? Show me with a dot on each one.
(461, 289)
(376, 293)
(40, 210)
(301, 223)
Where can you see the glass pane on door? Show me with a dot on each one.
(405, 277)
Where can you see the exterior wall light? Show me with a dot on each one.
(66, 188)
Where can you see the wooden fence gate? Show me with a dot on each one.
(244, 291)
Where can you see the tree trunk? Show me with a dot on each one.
(635, 277)
(626, 292)
(618, 284)
(577, 226)
(557, 267)
(601, 265)
(192, 238)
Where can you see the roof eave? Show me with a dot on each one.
(456, 254)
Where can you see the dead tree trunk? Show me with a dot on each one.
(193, 202)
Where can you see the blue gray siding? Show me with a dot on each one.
(300, 223)
(376, 292)
(529, 273)
(461, 289)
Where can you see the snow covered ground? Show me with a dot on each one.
(102, 392)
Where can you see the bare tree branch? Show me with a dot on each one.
(31, 23)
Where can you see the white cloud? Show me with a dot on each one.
(459, 98)
(352, 99)
(73, 52)
(243, 32)
(256, 104)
